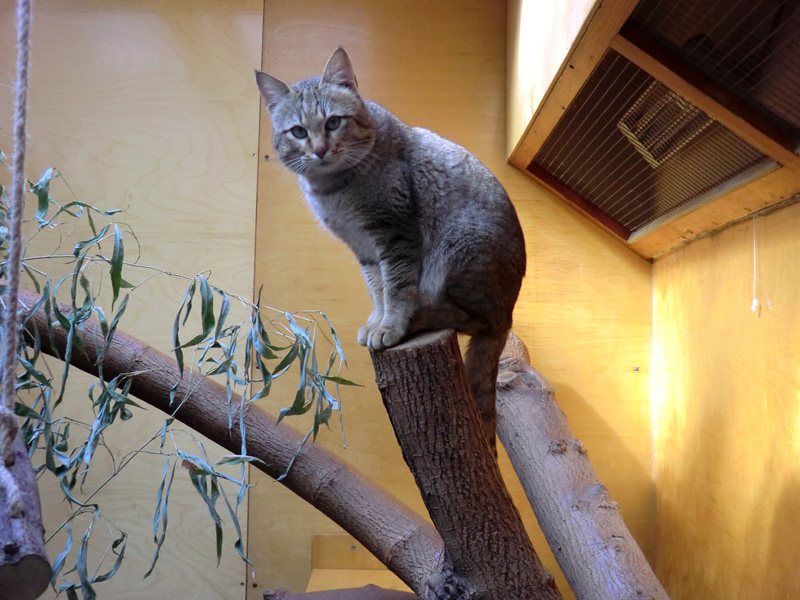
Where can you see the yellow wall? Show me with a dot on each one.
(585, 308)
(148, 105)
(727, 413)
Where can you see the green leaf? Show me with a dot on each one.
(117, 258)
(112, 328)
(101, 316)
(288, 359)
(340, 380)
(58, 564)
(238, 545)
(206, 313)
(223, 314)
(32, 278)
(336, 340)
(81, 567)
(235, 459)
(161, 517)
(186, 304)
(80, 246)
(120, 541)
(294, 457)
(199, 483)
(160, 496)
(42, 191)
(25, 411)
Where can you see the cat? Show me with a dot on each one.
(438, 240)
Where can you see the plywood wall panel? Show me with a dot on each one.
(584, 310)
(147, 106)
(727, 416)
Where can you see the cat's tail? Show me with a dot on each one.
(482, 362)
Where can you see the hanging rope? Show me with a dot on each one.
(9, 426)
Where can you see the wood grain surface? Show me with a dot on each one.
(147, 106)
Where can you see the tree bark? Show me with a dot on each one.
(425, 390)
(583, 526)
(24, 568)
(426, 393)
(403, 541)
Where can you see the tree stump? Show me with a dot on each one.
(437, 423)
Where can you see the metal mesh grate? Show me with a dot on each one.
(691, 154)
(749, 47)
(660, 123)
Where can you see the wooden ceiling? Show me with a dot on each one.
(610, 27)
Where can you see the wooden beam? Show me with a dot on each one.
(721, 105)
(577, 202)
(766, 191)
(584, 56)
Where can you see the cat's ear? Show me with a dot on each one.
(339, 70)
(272, 89)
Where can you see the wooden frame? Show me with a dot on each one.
(606, 29)
(604, 23)
(577, 202)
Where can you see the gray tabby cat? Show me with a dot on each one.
(438, 240)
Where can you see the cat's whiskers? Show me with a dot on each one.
(298, 164)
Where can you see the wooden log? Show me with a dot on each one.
(437, 423)
(24, 568)
(403, 541)
(582, 524)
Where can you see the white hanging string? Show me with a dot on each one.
(9, 426)
(754, 306)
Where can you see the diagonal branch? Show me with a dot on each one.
(582, 524)
(398, 537)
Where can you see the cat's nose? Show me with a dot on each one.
(320, 151)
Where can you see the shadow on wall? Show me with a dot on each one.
(614, 463)
(779, 578)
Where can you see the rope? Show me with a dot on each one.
(9, 425)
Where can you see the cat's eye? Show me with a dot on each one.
(333, 123)
(298, 132)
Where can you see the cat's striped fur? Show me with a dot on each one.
(437, 238)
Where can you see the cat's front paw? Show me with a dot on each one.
(363, 335)
(378, 337)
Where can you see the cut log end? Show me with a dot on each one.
(515, 348)
(24, 568)
(24, 580)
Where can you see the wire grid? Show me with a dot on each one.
(660, 123)
(749, 47)
(588, 153)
